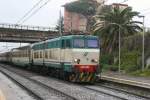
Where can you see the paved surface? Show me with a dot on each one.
(2, 97)
(139, 81)
(10, 91)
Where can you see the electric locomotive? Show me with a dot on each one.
(74, 57)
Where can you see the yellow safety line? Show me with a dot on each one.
(81, 75)
(2, 97)
(83, 79)
(130, 81)
(89, 78)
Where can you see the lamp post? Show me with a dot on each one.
(143, 43)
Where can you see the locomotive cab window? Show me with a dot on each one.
(63, 44)
(68, 43)
(79, 43)
(92, 43)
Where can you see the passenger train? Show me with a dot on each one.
(74, 57)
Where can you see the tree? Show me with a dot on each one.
(109, 24)
(60, 21)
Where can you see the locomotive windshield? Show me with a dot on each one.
(85, 43)
(92, 43)
(79, 43)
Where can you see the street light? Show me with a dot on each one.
(143, 42)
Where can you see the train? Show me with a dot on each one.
(74, 57)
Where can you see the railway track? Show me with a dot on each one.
(141, 94)
(35, 88)
(78, 91)
(119, 93)
(126, 88)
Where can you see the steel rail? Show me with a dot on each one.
(121, 90)
(34, 95)
(39, 83)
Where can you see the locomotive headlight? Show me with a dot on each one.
(94, 60)
(75, 60)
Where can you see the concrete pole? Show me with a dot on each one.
(119, 51)
(143, 43)
(60, 26)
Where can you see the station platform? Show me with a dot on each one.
(11, 91)
(143, 82)
(2, 97)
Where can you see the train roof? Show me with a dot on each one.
(21, 48)
(73, 36)
(66, 37)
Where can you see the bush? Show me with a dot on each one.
(113, 68)
(130, 61)
(107, 67)
(131, 68)
(106, 59)
(145, 73)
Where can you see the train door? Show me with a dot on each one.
(62, 51)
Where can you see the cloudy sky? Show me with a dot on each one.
(12, 11)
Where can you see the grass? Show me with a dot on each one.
(145, 73)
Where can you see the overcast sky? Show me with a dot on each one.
(12, 10)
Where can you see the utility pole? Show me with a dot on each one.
(119, 49)
(71, 23)
(143, 43)
(60, 26)
(143, 53)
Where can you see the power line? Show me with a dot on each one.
(26, 14)
(143, 10)
(35, 11)
(147, 13)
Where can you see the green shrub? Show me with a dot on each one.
(107, 67)
(145, 73)
(106, 59)
(130, 61)
(113, 68)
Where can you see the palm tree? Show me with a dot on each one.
(113, 25)
(110, 24)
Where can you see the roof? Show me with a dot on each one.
(21, 48)
(119, 4)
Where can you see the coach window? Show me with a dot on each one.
(46, 54)
(50, 54)
(41, 56)
(34, 54)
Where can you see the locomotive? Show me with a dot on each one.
(74, 57)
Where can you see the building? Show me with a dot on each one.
(76, 21)
(121, 6)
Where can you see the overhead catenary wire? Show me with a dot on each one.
(26, 14)
(33, 13)
(144, 10)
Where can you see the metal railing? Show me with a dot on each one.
(26, 27)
